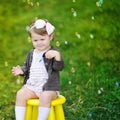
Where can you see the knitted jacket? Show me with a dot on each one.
(52, 66)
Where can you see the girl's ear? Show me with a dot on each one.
(51, 36)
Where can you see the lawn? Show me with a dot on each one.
(88, 36)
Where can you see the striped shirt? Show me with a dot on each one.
(38, 73)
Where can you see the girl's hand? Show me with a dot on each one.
(53, 54)
(17, 70)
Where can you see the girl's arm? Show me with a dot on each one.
(22, 70)
(58, 63)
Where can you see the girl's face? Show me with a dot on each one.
(40, 42)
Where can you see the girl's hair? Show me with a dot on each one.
(39, 31)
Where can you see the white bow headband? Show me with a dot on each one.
(41, 24)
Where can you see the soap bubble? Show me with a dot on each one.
(70, 82)
(31, 3)
(99, 3)
(102, 89)
(74, 0)
(92, 17)
(73, 70)
(90, 114)
(57, 43)
(91, 36)
(37, 3)
(74, 13)
(6, 63)
(88, 63)
(66, 42)
(78, 35)
(29, 39)
(27, 28)
(117, 84)
(72, 10)
(99, 92)
(18, 81)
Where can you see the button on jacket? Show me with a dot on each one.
(52, 66)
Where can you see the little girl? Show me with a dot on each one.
(41, 71)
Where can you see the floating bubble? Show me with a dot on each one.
(74, 0)
(27, 28)
(29, 39)
(31, 3)
(73, 70)
(78, 35)
(6, 63)
(72, 10)
(28, 2)
(57, 43)
(92, 17)
(37, 3)
(99, 3)
(66, 42)
(70, 82)
(117, 84)
(88, 63)
(99, 92)
(90, 114)
(91, 36)
(18, 81)
(74, 13)
(102, 89)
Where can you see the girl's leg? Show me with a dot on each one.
(22, 96)
(45, 101)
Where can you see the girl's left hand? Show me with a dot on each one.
(53, 54)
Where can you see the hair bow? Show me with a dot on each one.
(41, 24)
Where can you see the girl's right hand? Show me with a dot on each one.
(17, 70)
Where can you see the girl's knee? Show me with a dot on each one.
(20, 100)
(20, 96)
(19, 93)
(46, 97)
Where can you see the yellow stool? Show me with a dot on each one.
(56, 110)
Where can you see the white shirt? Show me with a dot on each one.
(38, 73)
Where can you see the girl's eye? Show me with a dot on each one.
(42, 39)
(35, 40)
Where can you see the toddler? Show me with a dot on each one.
(41, 71)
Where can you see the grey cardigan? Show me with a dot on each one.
(52, 66)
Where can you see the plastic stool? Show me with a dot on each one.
(56, 110)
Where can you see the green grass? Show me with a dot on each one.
(89, 43)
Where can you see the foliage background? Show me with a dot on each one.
(88, 37)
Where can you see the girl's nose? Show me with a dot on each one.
(39, 41)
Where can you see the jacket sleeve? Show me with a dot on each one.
(24, 69)
(58, 65)
(26, 65)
